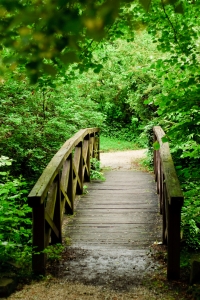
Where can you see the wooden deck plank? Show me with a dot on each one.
(120, 212)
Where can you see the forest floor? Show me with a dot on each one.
(153, 285)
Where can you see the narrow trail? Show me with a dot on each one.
(122, 160)
(114, 227)
(111, 234)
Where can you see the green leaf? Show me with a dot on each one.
(3, 173)
(156, 145)
(164, 139)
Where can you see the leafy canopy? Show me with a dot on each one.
(43, 34)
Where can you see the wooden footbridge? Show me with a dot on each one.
(121, 212)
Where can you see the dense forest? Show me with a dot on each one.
(121, 65)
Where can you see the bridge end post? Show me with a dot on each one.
(38, 257)
(173, 243)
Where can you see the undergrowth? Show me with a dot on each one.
(113, 144)
(15, 219)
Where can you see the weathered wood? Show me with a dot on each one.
(63, 186)
(97, 146)
(57, 218)
(87, 174)
(172, 182)
(86, 170)
(41, 187)
(38, 260)
(76, 180)
(165, 214)
(49, 210)
(69, 209)
(173, 241)
(109, 216)
(171, 201)
(50, 204)
(80, 171)
(55, 191)
(65, 175)
(51, 224)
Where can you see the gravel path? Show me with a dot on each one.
(122, 159)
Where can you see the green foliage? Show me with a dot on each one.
(177, 100)
(45, 35)
(104, 74)
(15, 218)
(85, 189)
(95, 170)
(156, 145)
(54, 252)
(146, 162)
(37, 120)
(185, 258)
(112, 144)
(190, 217)
(120, 88)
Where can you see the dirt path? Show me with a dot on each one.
(74, 277)
(122, 160)
(114, 226)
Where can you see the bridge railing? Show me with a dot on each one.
(171, 201)
(55, 190)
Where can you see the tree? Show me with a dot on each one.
(44, 34)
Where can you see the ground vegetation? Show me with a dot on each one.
(110, 64)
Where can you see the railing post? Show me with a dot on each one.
(97, 138)
(70, 188)
(88, 159)
(38, 260)
(80, 169)
(164, 215)
(173, 243)
(155, 158)
(161, 188)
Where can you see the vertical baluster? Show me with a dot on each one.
(92, 145)
(158, 163)
(88, 159)
(160, 183)
(80, 170)
(57, 219)
(155, 158)
(38, 260)
(85, 174)
(164, 215)
(70, 192)
(97, 145)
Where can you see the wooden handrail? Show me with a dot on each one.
(55, 190)
(171, 201)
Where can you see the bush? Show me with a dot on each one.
(15, 218)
